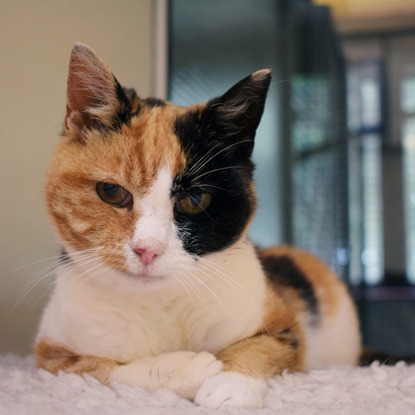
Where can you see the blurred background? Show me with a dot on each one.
(335, 150)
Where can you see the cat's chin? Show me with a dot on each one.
(144, 278)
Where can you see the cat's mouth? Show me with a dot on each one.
(144, 277)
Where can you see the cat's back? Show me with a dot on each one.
(321, 302)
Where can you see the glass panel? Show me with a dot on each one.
(355, 212)
(365, 204)
(408, 142)
(315, 211)
(370, 98)
(365, 122)
(408, 95)
(318, 146)
(364, 97)
(407, 89)
(372, 226)
(310, 100)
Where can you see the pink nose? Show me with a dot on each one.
(147, 255)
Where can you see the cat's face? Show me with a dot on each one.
(145, 187)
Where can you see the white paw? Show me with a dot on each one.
(231, 389)
(182, 372)
(188, 379)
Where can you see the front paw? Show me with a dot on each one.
(231, 389)
(183, 372)
(193, 373)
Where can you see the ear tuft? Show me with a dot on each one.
(95, 99)
(262, 74)
(244, 103)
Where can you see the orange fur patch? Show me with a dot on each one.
(54, 357)
(130, 158)
(278, 345)
(260, 357)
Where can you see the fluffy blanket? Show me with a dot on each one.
(339, 390)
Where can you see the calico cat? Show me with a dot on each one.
(159, 285)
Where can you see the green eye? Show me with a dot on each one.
(114, 194)
(194, 204)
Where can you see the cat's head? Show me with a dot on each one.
(146, 187)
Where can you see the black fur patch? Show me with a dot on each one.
(155, 102)
(218, 140)
(213, 166)
(64, 258)
(127, 97)
(294, 344)
(124, 114)
(288, 336)
(282, 270)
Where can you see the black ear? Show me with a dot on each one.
(237, 113)
(95, 99)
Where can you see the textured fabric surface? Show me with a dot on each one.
(338, 390)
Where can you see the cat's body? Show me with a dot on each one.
(160, 285)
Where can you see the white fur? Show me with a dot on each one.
(231, 389)
(335, 339)
(155, 229)
(95, 317)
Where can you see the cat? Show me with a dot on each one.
(159, 285)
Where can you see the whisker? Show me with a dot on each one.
(231, 316)
(215, 296)
(204, 299)
(36, 282)
(186, 286)
(40, 276)
(39, 261)
(100, 269)
(231, 280)
(207, 214)
(48, 271)
(219, 152)
(204, 303)
(216, 170)
(33, 281)
(210, 185)
(196, 166)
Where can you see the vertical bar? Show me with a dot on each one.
(160, 56)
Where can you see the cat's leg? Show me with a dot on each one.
(182, 372)
(248, 364)
(54, 357)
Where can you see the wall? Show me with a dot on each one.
(35, 41)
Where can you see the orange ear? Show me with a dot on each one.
(94, 96)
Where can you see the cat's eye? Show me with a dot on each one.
(194, 204)
(114, 194)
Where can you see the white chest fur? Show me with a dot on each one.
(220, 303)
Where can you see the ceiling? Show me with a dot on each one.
(371, 15)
